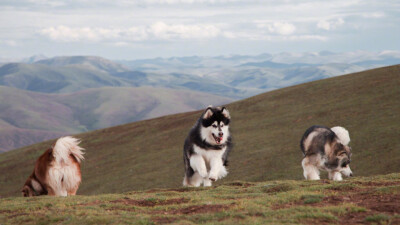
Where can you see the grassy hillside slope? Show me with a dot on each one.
(362, 200)
(266, 128)
(30, 117)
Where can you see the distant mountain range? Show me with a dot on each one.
(28, 117)
(43, 98)
(249, 75)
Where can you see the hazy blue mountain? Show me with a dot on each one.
(55, 79)
(89, 62)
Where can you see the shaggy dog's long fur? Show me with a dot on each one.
(326, 149)
(57, 171)
(206, 148)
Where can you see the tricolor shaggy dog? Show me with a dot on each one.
(206, 148)
(57, 171)
(326, 149)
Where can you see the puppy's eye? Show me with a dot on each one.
(215, 126)
(222, 125)
(344, 164)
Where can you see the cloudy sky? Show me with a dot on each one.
(123, 29)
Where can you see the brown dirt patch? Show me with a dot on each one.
(374, 203)
(377, 184)
(163, 220)
(195, 209)
(388, 204)
(5, 211)
(16, 215)
(151, 202)
(239, 184)
(380, 203)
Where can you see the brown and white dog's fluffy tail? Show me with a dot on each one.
(342, 134)
(67, 146)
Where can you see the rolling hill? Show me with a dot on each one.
(266, 130)
(30, 117)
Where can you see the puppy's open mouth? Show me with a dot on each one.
(218, 140)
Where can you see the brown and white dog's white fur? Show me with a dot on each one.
(326, 149)
(57, 171)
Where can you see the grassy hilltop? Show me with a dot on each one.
(360, 200)
(266, 128)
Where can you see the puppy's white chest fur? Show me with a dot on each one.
(209, 154)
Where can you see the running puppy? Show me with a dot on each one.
(206, 149)
(57, 171)
(326, 149)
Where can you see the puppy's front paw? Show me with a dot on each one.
(337, 177)
(213, 177)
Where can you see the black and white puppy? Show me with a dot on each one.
(206, 149)
(326, 149)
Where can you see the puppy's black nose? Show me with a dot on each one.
(351, 174)
(221, 134)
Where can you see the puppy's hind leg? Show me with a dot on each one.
(311, 172)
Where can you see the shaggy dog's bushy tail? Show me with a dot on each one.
(342, 134)
(66, 146)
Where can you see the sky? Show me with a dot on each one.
(123, 29)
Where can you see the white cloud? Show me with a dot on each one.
(281, 28)
(374, 15)
(156, 31)
(164, 31)
(330, 24)
(10, 43)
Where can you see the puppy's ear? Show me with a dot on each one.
(225, 112)
(208, 113)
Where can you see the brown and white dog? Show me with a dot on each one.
(326, 149)
(57, 171)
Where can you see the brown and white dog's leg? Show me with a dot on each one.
(73, 191)
(335, 175)
(311, 172)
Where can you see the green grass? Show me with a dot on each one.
(379, 218)
(237, 202)
(266, 132)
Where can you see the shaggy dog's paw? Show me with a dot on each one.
(213, 177)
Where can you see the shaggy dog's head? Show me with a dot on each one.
(341, 158)
(215, 125)
(27, 191)
(32, 188)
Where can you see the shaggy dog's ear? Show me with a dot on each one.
(208, 113)
(225, 112)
